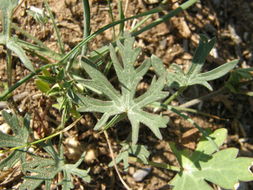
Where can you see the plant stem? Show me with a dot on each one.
(156, 164)
(175, 95)
(195, 125)
(121, 16)
(114, 161)
(200, 99)
(9, 67)
(112, 18)
(198, 112)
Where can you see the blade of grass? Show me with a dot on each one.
(172, 13)
(121, 17)
(86, 24)
(112, 18)
(140, 23)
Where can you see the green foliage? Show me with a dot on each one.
(222, 168)
(19, 138)
(238, 76)
(125, 101)
(127, 150)
(45, 169)
(194, 76)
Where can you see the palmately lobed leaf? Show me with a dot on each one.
(178, 78)
(20, 136)
(127, 150)
(125, 101)
(21, 132)
(45, 170)
(222, 168)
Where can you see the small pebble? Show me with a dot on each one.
(140, 174)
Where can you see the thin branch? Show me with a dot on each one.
(206, 97)
(114, 162)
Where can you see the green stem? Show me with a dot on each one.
(156, 164)
(140, 23)
(9, 68)
(121, 17)
(197, 112)
(112, 18)
(113, 121)
(86, 24)
(174, 96)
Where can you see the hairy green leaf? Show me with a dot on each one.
(21, 133)
(222, 168)
(127, 150)
(176, 77)
(125, 101)
(12, 45)
(19, 138)
(45, 169)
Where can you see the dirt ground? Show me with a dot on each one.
(230, 21)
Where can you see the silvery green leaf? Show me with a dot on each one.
(177, 77)
(127, 150)
(21, 132)
(45, 170)
(217, 72)
(20, 129)
(12, 45)
(124, 101)
(158, 65)
(222, 168)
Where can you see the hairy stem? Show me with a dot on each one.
(114, 161)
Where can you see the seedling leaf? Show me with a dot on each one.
(127, 150)
(178, 78)
(20, 137)
(222, 168)
(21, 132)
(125, 101)
(45, 169)
(12, 45)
